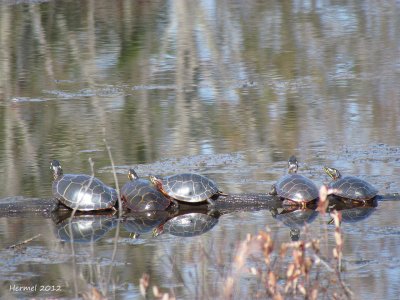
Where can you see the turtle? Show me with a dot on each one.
(293, 188)
(140, 195)
(188, 187)
(350, 187)
(189, 224)
(81, 192)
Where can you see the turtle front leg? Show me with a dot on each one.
(175, 202)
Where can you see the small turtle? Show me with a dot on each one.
(81, 192)
(350, 187)
(140, 195)
(294, 188)
(187, 187)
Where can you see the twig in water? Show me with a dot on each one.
(70, 228)
(119, 212)
(115, 178)
(23, 242)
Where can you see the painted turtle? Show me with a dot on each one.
(140, 195)
(189, 224)
(350, 187)
(82, 192)
(187, 187)
(294, 188)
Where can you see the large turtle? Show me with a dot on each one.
(350, 187)
(81, 192)
(293, 188)
(140, 195)
(187, 187)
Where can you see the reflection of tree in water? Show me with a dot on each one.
(180, 76)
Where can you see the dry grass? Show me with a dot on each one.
(295, 270)
(291, 270)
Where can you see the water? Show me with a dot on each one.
(226, 89)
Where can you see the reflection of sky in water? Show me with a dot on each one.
(107, 58)
(353, 111)
(338, 20)
(207, 147)
(206, 93)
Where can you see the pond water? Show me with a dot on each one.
(228, 89)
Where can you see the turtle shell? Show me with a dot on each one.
(297, 188)
(141, 195)
(353, 188)
(83, 192)
(189, 187)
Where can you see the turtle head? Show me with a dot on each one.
(156, 181)
(332, 172)
(55, 166)
(293, 165)
(132, 174)
(294, 234)
(158, 230)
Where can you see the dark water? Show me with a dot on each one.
(226, 89)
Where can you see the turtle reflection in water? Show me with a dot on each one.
(350, 187)
(138, 223)
(353, 213)
(84, 228)
(81, 192)
(295, 219)
(189, 224)
(295, 189)
(141, 195)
